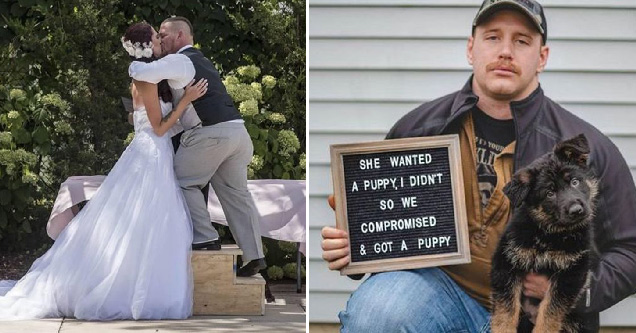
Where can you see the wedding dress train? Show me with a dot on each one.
(126, 255)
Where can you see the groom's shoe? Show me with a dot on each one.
(252, 267)
(213, 245)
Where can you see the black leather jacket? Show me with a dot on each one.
(540, 123)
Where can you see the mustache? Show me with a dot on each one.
(505, 64)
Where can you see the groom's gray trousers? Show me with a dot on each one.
(219, 154)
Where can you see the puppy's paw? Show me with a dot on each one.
(503, 322)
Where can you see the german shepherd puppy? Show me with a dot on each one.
(549, 233)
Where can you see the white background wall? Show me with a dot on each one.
(371, 61)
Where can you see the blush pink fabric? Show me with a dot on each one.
(281, 206)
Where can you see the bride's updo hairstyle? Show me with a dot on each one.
(137, 41)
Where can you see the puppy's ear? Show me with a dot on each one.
(518, 188)
(575, 150)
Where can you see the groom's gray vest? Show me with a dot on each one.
(216, 105)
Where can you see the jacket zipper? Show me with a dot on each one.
(482, 238)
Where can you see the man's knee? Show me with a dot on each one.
(391, 301)
(374, 317)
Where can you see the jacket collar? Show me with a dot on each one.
(524, 112)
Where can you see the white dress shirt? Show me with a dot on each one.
(178, 69)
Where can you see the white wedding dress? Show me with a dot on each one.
(126, 255)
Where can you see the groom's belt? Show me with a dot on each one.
(210, 123)
(203, 124)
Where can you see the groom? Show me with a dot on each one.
(214, 148)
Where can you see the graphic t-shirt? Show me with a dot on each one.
(491, 137)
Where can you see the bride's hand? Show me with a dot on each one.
(195, 90)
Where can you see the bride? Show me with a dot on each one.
(126, 255)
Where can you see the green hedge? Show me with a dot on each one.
(63, 71)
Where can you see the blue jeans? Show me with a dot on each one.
(421, 300)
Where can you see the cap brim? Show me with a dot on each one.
(508, 5)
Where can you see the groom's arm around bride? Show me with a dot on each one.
(215, 146)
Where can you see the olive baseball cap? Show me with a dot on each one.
(531, 8)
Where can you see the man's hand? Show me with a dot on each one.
(535, 285)
(335, 247)
(335, 244)
(195, 90)
(332, 201)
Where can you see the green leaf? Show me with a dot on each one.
(26, 3)
(26, 226)
(21, 135)
(286, 175)
(17, 11)
(40, 135)
(3, 219)
(175, 3)
(253, 130)
(41, 115)
(268, 157)
(190, 4)
(260, 148)
(21, 194)
(5, 197)
(19, 206)
(145, 11)
(278, 171)
(263, 134)
(44, 148)
(274, 145)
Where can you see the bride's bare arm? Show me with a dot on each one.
(148, 92)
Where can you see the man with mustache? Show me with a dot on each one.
(504, 122)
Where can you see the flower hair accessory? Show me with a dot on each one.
(137, 49)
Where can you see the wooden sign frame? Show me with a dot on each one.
(451, 142)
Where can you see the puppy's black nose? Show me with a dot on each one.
(575, 210)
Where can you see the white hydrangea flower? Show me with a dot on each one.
(248, 107)
(277, 118)
(257, 162)
(249, 72)
(288, 142)
(303, 161)
(231, 80)
(13, 114)
(5, 139)
(129, 138)
(269, 81)
(258, 89)
(29, 178)
(17, 94)
(243, 92)
(62, 127)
